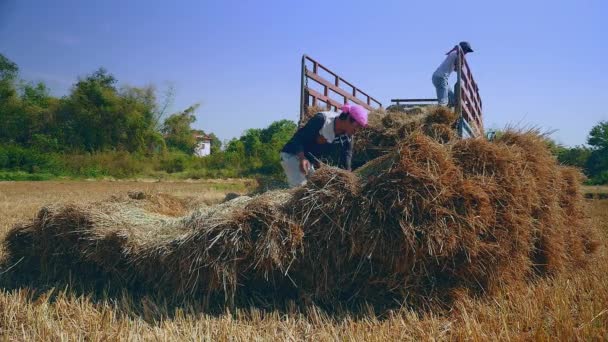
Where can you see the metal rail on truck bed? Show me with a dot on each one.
(324, 88)
(468, 102)
(320, 85)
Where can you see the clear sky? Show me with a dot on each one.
(540, 63)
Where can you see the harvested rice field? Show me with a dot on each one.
(569, 306)
(596, 191)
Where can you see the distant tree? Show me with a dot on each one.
(216, 143)
(575, 156)
(279, 132)
(177, 130)
(257, 150)
(89, 116)
(98, 116)
(598, 137)
(8, 69)
(274, 137)
(253, 147)
(597, 164)
(36, 116)
(161, 109)
(9, 101)
(139, 107)
(24, 107)
(36, 94)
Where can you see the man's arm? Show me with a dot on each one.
(347, 154)
(307, 134)
(453, 56)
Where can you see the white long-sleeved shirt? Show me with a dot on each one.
(447, 66)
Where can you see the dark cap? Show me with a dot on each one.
(466, 47)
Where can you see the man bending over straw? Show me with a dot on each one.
(322, 134)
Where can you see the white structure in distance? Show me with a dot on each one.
(203, 145)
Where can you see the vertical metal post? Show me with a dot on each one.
(459, 92)
(303, 101)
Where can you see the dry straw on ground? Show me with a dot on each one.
(430, 219)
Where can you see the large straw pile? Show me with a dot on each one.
(130, 243)
(386, 129)
(426, 221)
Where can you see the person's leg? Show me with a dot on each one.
(451, 99)
(441, 86)
(291, 166)
(452, 96)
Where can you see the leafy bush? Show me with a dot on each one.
(24, 176)
(116, 164)
(174, 162)
(600, 179)
(17, 158)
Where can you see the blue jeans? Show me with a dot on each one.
(445, 96)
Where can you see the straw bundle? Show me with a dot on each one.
(425, 221)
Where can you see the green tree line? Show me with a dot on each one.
(592, 159)
(103, 129)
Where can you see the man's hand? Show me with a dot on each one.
(304, 166)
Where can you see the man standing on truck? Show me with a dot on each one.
(324, 133)
(441, 76)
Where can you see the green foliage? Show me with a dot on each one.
(575, 156)
(8, 74)
(119, 164)
(8, 69)
(98, 117)
(257, 150)
(107, 123)
(597, 164)
(175, 162)
(600, 179)
(24, 176)
(178, 131)
(598, 137)
(8, 94)
(593, 160)
(102, 130)
(216, 143)
(17, 158)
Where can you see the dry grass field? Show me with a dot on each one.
(595, 191)
(568, 307)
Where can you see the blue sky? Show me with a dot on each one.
(539, 63)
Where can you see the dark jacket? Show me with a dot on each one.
(309, 140)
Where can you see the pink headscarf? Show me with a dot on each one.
(358, 113)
